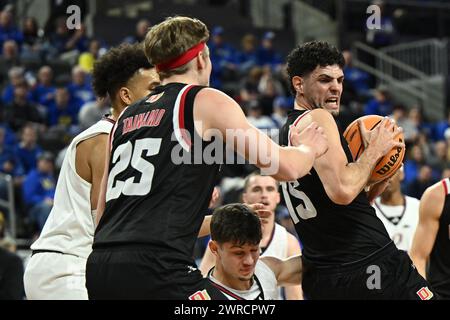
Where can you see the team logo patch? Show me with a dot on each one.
(424, 293)
(200, 295)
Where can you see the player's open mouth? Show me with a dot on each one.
(332, 101)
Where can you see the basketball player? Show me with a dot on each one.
(239, 271)
(398, 212)
(431, 246)
(56, 269)
(276, 240)
(347, 252)
(154, 200)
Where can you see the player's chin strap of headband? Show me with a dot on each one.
(181, 59)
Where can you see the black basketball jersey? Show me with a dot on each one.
(159, 187)
(331, 234)
(439, 262)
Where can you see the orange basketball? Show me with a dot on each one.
(388, 164)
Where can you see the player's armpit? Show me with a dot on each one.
(288, 272)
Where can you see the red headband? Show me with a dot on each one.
(181, 59)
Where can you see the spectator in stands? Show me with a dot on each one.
(141, 30)
(62, 40)
(417, 117)
(10, 54)
(21, 110)
(424, 179)
(39, 189)
(410, 131)
(11, 276)
(79, 89)
(16, 77)
(79, 40)
(223, 58)
(412, 164)
(9, 164)
(28, 150)
(8, 31)
(440, 159)
(380, 104)
(440, 127)
(257, 118)
(267, 55)
(281, 106)
(93, 111)
(87, 59)
(249, 85)
(62, 111)
(247, 58)
(269, 88)
(32, 40)
(44, 92)
(356, 79)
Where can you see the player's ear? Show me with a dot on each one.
(297, 83)
(213, 247)
(202, 58)
(125, 95)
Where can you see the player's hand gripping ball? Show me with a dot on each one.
(386, 165)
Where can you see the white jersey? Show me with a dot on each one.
(278, 245)
(264, 285)
(400, 221)
(70, 226)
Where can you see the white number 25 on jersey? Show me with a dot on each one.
(122, 157)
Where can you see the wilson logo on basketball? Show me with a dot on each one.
(424, 293)
(393, 160)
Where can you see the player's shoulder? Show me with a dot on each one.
(433, 200)
(436, 191)
(208, 94)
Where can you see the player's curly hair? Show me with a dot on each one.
(115, 68)
(235, 223)
(306, 57)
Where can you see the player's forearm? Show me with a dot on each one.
(355, 177)
(205, 228)
(294, 162)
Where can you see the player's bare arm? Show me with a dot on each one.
(293, 292)
(431, 205)
(104, 182)
(212, 107)
(90, 157)
(288, 272)
(343, 181)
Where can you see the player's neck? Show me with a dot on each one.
(229, 281)
(394, 199)
(188, 78)
(117, 110)
(301, 104)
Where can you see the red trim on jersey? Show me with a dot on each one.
(181, 59)
(296, 122)
(445, 186)
(181, 116)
